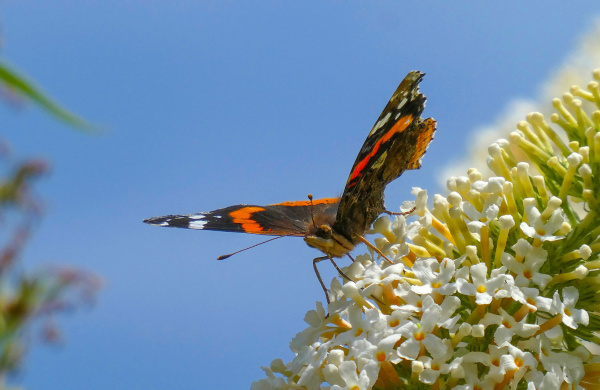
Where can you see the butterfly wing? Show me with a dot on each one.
(395, 144)
(281, 219)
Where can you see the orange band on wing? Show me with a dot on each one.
(308, 203)
(243, 217)
(398, 127)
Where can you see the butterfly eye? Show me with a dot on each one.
(324, 231)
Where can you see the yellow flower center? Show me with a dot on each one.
(519, 362)
(419, 336)
(481, 289)
(380, 356)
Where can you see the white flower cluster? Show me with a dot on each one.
(496, 286)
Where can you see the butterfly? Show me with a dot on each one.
(335, 226)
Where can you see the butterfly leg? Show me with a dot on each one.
(361, 238)
(401, 213)
(351, 258)
(342, 274)
(315, 261)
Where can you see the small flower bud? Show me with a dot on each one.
(478, 330)
(506, 222)
(581, 272)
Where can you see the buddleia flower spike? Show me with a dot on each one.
(496, 285)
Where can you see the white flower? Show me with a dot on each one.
(489, 211)
(271, 382)
(482, 288)
(375, 349)
(433, 368)
(565, 366)
(489, 359)
(527, 270)
(331, 368)
(309, 361)
(537, 228)
(518, 362)
(355, 380)
(536, 380)
(531, 297)
(434, 276)
(317, 321)
(420, 203)
(508, 327)
(413, 302)
(449, 306)
(393, 240)
(472, 379)
(570, 315)
(418, 333)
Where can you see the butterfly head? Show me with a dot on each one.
(327, 241)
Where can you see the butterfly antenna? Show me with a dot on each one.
(223, 257)
(312, 214)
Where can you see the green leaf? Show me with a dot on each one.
(24, 88)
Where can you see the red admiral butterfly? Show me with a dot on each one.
(335, 226)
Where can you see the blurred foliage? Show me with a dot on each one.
(29, 301)
(17, 86)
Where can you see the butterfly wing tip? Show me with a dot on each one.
(157, 221)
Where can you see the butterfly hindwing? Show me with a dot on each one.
(396, 143)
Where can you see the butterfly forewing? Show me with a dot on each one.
(281, 219)
(396, 143)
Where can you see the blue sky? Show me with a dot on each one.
(208, 104)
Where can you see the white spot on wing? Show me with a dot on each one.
(197, 224)
(380, 123)
(402, 103)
